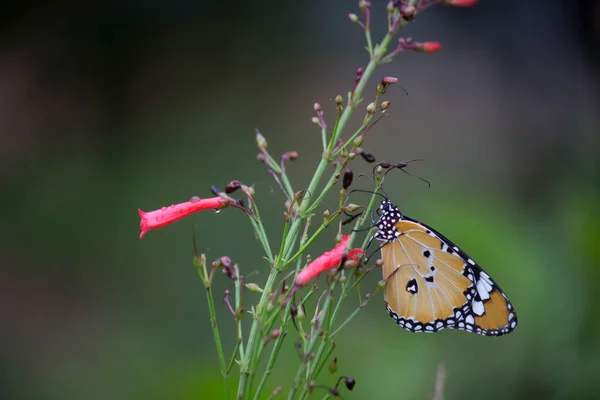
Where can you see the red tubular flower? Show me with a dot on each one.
(426, 47)
(326, 261)
(167, 215)
(460, 3)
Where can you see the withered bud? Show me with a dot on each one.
(232, 186)
(253, 287)
(353, 18)
(326, 214)
(339, 100)
(349, 382)
(333, 366)
(290, 155)
(227, 268)
(408, 12)
(293, 311)
(368, 157)
(347, 180)
(385, 104)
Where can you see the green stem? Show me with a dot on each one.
(217, 336)
(320, 229)
(304, 366)
(254, 332)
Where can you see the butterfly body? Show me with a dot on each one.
(432, 284)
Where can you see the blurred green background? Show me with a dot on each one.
(110, 106)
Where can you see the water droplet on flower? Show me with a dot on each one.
(172, 205)
(195, 199)
(163, 209)
(216, 210)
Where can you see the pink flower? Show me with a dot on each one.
(167, 215)
(460, 3)
(326, 261)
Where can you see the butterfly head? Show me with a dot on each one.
(389, 215)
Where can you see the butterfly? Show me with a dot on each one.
(432, 284)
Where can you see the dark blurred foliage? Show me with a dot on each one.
(110, 106)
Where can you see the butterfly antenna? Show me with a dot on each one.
(401, 165)
(418, 177)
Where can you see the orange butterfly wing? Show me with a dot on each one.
(432, 284)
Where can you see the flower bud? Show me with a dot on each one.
(349, 382)
(261, 141)
(275, 333)
(232, 186)
(333, 366)
(385, 104)
(347, 180)
(353, 18)
(253, 287)
(371, 108)
(426, 47)
(339, 100)
(368, 157)
(408, 12)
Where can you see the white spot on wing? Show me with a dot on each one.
(484, 292)
(478, 308)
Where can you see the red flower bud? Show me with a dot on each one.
(167, 215)
(460, 3)
(426, 47)
(327, 261)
